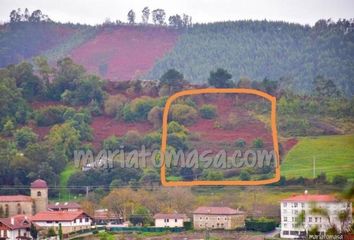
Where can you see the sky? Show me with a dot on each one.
(202, 11)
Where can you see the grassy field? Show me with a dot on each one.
(64, 177)
(334, 155)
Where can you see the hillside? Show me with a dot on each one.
(123, 53)
(294, 53)
(24, 40)
(259, 49)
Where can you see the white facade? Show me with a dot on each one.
(14, 234)
(169, 222)
(291, 209)
(76, 224)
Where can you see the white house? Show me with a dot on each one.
(170, 219)
(15, 227)
(70, 221)
(293, 206)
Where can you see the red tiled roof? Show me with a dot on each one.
(20, 222)
(66, 205)
(39, 183)
(170, 216)
(15, 198)
(57, 216)
(311, 198)
(105, 215)
(217, 210)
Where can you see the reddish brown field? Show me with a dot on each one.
(126, 51)
(248, 128)
(104, 127)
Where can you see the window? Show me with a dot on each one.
(295, 204)
(310, 219)
(296, 212)
(302, 205)
(285, 219)
(167, 220)
(285, 225)
(39, 194)
(6, 210)
(200, 218)
(87, 219)
(285, 232)
(19, 209)
(175, 220)
(315, 219)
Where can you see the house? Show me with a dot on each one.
(11, 205)
(170, 220)
(15, 227)
(67, 206)
(218, 218)
(104, 217)
(293, 206)
(70, 221)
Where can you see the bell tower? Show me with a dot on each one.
(39, 195)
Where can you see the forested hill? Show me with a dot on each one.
(259, 49)
(294, 53)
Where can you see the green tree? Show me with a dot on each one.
(8, 128)
(172, 79)
(131, 17)
(24, 136)
(60, 232)
(51, 232)
(145, 15)
(158, 16)
(325, 88)
(33, 231)
(65, 136)
(220, 79)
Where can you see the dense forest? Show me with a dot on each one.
(259, 49)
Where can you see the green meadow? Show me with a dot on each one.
(333, 155)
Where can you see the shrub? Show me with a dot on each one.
(231, 122)
(112, 143)
(260, 224)
(175, 127)
(183, 114)
(240, 143)
(51, 115)
(132, 140)
(208, 111)
(138, 109)
(339, 180)
(155, 116)
(258, 143)
(114, 104)
(212, 175)
(244, 175)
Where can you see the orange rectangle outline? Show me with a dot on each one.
(172, 98)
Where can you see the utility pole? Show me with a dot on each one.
(314, 167)
(87, 191)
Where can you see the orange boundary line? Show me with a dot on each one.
(172, 98)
